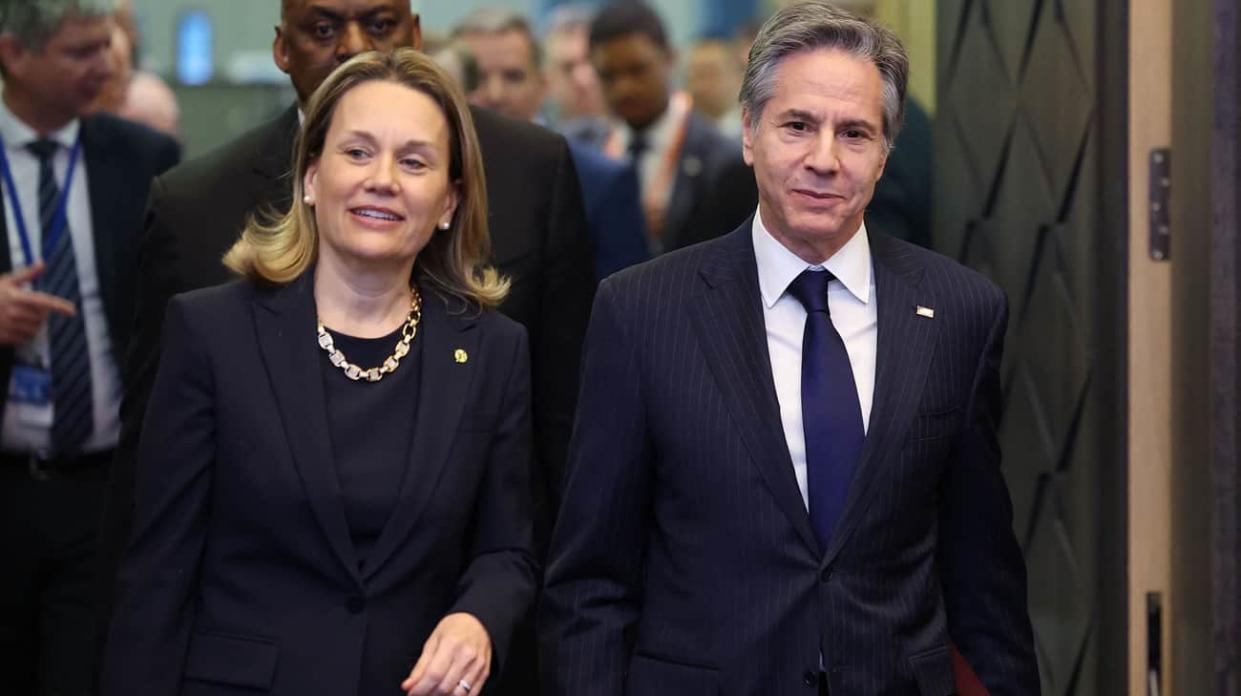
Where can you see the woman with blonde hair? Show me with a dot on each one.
(333, 489)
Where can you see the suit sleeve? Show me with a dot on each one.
(498, 585)
(981, 566)
(156, 284)
(150, 631)
(592, 589)
(621, 228)
(564, 308)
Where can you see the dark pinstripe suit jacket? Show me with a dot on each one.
(683, 561)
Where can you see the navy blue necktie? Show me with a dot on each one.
(830, 412)
(638, 145)
(73, 408)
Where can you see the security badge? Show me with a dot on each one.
(30, 392)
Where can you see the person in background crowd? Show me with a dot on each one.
(511, 82)
(902, 202)
(454, 58)
(784, 475)
(386, 462)
(694, 183)
(539, 239)
(712, 79)
(575, 104)
(72, 192)
(136, 95)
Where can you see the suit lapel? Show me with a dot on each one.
(904, 352)
(733, 336)
(444, 384)
(285, 321)
(106, 180)
(690, 168)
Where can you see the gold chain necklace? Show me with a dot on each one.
(374, 374)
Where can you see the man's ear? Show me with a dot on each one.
(11, 53)
(280, 50)
(747, 138)
(415, 32)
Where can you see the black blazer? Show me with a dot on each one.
(684, 560)
(241, 573)
(539, 239)
(121, 160)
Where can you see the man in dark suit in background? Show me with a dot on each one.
(73, 192)
(511, 82)
(694, 183)
(538, 231)
(784, 474)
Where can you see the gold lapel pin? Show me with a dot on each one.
(925, 312)
(460, 356)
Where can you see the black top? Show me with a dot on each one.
(370, 425)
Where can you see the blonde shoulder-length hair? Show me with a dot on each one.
(278, 250)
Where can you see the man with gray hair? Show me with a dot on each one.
(784, 476)
(73, 193)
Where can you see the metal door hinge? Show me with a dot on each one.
(1160, 197)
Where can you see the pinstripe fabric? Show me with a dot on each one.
(684, 560)
(73, 409)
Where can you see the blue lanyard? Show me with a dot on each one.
(60, 222)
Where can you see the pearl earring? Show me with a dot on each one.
(308, 200)
(444, 225)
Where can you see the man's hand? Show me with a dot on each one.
(455, 660)
(23, 311)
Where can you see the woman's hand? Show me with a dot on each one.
(455, 660)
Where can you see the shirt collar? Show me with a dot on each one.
(661, 130)
(777, 266)
(17, 134)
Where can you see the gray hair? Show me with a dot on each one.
(568, 18)
(497, 21)
(34, 22)
(815, 25)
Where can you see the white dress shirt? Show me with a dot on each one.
(28, 428)
(853, 304)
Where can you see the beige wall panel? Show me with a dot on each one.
(1150, 343)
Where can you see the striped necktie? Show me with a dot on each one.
(73, 410)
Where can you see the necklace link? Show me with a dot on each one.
(390, 363)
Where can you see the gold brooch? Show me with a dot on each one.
(460, 356)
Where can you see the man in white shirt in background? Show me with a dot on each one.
(694, 182)
(73, 190)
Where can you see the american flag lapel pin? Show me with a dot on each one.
(925, 312)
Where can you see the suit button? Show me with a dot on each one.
(810, 678)
(826, 575)
(355, 604)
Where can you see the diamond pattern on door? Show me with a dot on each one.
(1016, 178)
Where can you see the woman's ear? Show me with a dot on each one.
(450, 205)
(308, 183)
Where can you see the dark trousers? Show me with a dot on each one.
(49, 522)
